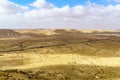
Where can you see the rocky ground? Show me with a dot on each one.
(62, 55)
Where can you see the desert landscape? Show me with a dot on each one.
(59, 54)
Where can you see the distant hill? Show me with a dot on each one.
(67, 31)
(7, 33)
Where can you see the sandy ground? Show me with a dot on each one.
(34, 60)
(46, 31)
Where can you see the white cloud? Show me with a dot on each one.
(8, 7)
(91, 16)
(42, 4)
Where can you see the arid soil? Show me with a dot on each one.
(59, 55)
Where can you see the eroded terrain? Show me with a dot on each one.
(61, 55)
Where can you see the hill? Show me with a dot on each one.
(7, 33)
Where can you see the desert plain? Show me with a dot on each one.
(59, 54)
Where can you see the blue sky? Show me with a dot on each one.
(22, 2)
(71, 3)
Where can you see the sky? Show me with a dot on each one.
(57, 14)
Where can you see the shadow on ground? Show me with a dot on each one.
(64, 72)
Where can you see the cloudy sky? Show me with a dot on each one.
(78, 14)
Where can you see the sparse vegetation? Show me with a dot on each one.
(64, 55)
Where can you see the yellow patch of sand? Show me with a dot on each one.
(40, 60)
